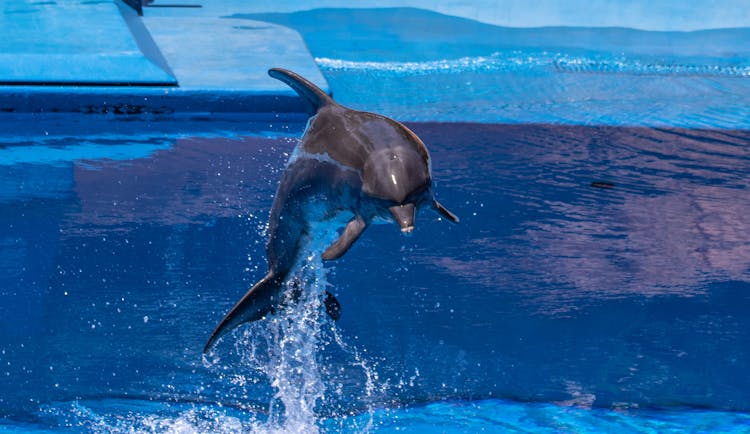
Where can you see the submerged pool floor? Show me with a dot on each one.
(594, 267)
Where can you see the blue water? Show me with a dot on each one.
(599, 280)
(420, 65)
(622, 299)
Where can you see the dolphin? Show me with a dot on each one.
(350, 169)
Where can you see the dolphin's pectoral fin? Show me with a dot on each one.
(352, 231)
(259, 301)
(333, 307)
(444, 212)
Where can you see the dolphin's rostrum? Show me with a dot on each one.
(350, 167)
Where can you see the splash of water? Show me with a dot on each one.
(289, 351)
(289, 356)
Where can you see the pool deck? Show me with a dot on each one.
(207, 57)
(102, 57)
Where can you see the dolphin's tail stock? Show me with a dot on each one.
(263, 299)
(258, 302)
(311, 93)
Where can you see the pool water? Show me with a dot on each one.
(445, 417)
(420, 65)
(599, 280)
(598, 273)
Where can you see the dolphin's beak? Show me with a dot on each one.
(404, 216)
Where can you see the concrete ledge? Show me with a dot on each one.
(101, 57)
(207, 52)
(66, 42)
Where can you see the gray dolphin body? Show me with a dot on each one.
(350, 169)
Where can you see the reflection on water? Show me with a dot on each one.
(551, 289)
(197, 180)
(677, 214)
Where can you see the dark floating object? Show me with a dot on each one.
(603, 184)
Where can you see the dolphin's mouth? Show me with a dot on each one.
(404, 216)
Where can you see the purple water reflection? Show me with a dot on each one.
(677, 218)
(197, 180)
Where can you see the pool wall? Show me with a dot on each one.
(102, 58)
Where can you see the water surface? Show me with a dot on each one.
(600, 268)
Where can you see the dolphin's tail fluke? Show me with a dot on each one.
(258, 302)
(263, 299)
(311, 93)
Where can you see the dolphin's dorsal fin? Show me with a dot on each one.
(309, 92)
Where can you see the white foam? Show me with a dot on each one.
(492, 62)
(560, 62)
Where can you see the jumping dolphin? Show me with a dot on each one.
(350, 169)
